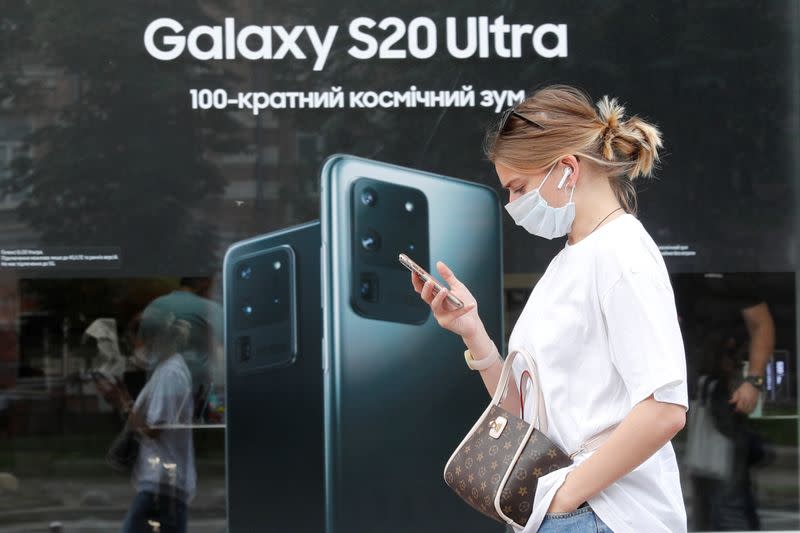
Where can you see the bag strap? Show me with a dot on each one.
(539, 414)
(594, 442)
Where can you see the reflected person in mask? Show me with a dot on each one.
(164, 474)
(203, 350)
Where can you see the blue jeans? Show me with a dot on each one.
(581, 520)
(148, 508)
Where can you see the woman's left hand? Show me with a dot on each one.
(561, 502)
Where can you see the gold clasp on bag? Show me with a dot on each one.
(497, 426)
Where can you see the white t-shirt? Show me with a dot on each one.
(165, 463)
(602, 327)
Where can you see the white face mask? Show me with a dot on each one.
(532, 212)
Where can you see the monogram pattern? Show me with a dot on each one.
(477, 468)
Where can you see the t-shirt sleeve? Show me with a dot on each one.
(168, 400)
(644, 337)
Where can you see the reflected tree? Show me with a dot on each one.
(119, 157)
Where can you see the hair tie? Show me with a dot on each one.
(607, 135)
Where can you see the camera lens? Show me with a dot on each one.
(371, 241)
(369, 197)
(245, 351)
(368, 287)
(245, 272)
(247, 309)
(276, 300)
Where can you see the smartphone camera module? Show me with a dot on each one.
(399, 223)
(262, 304)
(369, 197)
(371, 241)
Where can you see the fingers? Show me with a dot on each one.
(736, 401)
(742, 403)
(427, 292)
(417, 282)
(446, 316)
(438, 301)
(463, 311)
(447, 320)
(437, 304)
(447, 274)
(748, 403)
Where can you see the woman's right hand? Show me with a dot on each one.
(464, 321)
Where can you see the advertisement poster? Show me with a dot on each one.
(224, 171)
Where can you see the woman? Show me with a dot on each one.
(164, 474)
(600, 323)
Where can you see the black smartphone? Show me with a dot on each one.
(398, 396)
(274, 406)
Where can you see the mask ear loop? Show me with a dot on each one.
(547, 175)
(567, 174)
(571, 192)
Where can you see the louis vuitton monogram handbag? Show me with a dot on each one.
(496, 467)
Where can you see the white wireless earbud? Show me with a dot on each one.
(567, 174)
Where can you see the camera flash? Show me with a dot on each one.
(276, 265)
(409, 207)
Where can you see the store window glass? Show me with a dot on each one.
(124, 178)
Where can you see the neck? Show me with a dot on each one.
(593, 202)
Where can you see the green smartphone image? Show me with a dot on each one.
(398, 396)
(274, 443)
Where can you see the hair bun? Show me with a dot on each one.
(633, 140)
(610, 113)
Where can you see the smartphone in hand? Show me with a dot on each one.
(423, 274)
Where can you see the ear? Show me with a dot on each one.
(571, 171)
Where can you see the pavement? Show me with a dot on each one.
(94, 504)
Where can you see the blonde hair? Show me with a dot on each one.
(623, 149)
